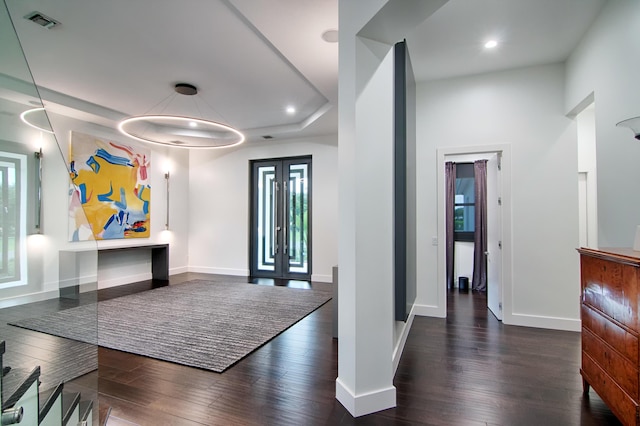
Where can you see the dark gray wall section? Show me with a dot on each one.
(404, 183)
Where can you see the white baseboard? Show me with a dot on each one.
(86, 287)
(553, 323)
(180, 270)
(114, 282)
(28, 298)
(397, 351)
(429, 311)
(321, 278)
(221, 271)
(366, 403)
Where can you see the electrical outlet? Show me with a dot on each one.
(434, 241)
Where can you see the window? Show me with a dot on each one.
(13, 208)
(464, 205)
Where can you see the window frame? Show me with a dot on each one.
(464, 236)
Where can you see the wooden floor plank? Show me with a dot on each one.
(467, 369)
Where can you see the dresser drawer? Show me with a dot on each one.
(614, 335)
(611, 287)
(614, 364)
(625, 408)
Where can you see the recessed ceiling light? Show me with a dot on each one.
(330, 36)
(290, 110)
(490, 44)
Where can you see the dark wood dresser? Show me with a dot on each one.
(610, 280)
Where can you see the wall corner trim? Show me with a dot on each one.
(367, 403)
(429, 311)
(397, 351)
(539, 321)
(322, 278)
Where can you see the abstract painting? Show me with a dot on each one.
(110, 196)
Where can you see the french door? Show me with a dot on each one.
(281, 218)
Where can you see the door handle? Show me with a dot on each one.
(285, 217)
(276, 228)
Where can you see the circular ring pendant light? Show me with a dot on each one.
(36, 118)
(180, 131)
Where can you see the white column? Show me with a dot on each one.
(365, 149)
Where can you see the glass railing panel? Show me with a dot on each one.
(38, 276)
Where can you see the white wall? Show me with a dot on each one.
(521, 108)
(606, 64)
(219, 193)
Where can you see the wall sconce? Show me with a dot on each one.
(633, 124)
(38, 223)
(166, 224)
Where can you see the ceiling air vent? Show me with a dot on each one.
(42, 20)
(267, 137)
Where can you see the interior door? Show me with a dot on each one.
(494, 237)
(281, 218)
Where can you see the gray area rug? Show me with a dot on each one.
(204, 324)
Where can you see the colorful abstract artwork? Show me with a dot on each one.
(110, 197)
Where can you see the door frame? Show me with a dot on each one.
(253, 271)
(507, 258)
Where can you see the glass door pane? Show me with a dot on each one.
(4, 209)
(266, 235)
(298, 218)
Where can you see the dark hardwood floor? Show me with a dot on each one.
(468, 369)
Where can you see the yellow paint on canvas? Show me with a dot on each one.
(110, 177)
(116, 173)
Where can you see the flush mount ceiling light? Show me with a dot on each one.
(180, 130)
(633, 124)
(36, 118)
(330, 36)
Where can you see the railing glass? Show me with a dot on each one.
(35, 189)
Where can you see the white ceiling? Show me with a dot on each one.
(529, 32)
(252, 58)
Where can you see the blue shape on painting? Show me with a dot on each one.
(122, 204)
(145, 204)
(114, 228)
(107, 196)
(83, 193)
(72, 167)
(95, 166)
(113, 159)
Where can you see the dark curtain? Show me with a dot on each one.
(450, 182)
(480, 232)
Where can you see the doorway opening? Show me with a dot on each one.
(465, 258)
(280, 233)
(587, 178)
